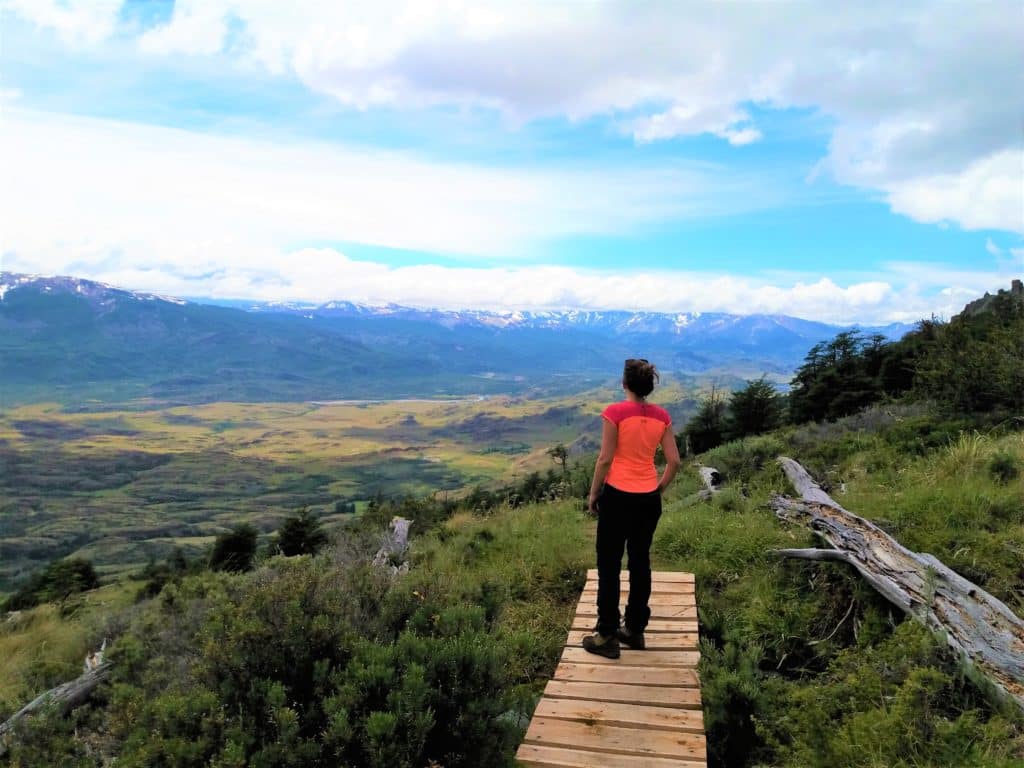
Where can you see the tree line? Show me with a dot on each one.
(972, 364)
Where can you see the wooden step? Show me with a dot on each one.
(672, 677)
(613, 740)
(656, 641)
(655, 576)
(656, 598)
(538, 756)
(640, 716)
(622, 693)
(577, 655)
(589, 608)
(654, 626)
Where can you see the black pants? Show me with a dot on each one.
(625, 521)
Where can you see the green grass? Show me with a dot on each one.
(44, 646)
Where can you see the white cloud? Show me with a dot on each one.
(76, 190)
(324, 274)
(77, 22)
(992, 248)
(922, 97)
(196, 29)
(988, 194)
(723, 121)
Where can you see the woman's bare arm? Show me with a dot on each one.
(671, 451)
(609, 439)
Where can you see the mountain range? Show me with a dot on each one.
(76, 340)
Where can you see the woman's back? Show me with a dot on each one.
(640, 427)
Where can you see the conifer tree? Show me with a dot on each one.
(301, 535)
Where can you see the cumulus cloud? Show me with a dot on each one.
(725, 122)
(924, 99)
(76, 22)
(77, 190)
(323, 274)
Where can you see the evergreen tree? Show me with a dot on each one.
(301, 535)
(234, 550)
(838, 378)
(976, 362)
(706, 429)
(59, 580)
(755, 409)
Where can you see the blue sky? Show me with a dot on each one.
(861, 165)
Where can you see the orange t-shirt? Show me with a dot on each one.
(640, 427)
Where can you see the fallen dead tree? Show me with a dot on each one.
(985, 633)
(395, 547)
(64, 698)
(712, 480)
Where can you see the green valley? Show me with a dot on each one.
(124, 487)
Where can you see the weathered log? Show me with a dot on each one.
(712, 480)
(980, 628)
(812, 554)
(392, 553)
(64, 697)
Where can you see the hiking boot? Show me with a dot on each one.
(634, 640)
(600, 645)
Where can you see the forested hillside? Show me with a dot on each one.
(325, 659)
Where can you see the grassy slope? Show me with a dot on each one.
(46, 645)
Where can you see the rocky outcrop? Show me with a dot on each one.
(982, 305)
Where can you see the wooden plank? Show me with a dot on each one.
(538, 756)
(655, 575)
(658, 641)
(640, 716)
(634, 658)
(614, 740)
(655, 625)
(656, 598)
(657, 587)
(657, 611)
(629, 675)
(621, 693)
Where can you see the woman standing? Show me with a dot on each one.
(626, 497)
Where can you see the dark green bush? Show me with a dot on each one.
(1003, 467)
(58, 581)
(304, 663)
(234, 550)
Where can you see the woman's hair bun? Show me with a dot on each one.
(639, 375)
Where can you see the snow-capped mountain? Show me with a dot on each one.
(70, 338)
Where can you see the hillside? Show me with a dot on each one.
(803, 664)
(80, 342)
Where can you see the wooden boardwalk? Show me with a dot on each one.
(642, 710)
